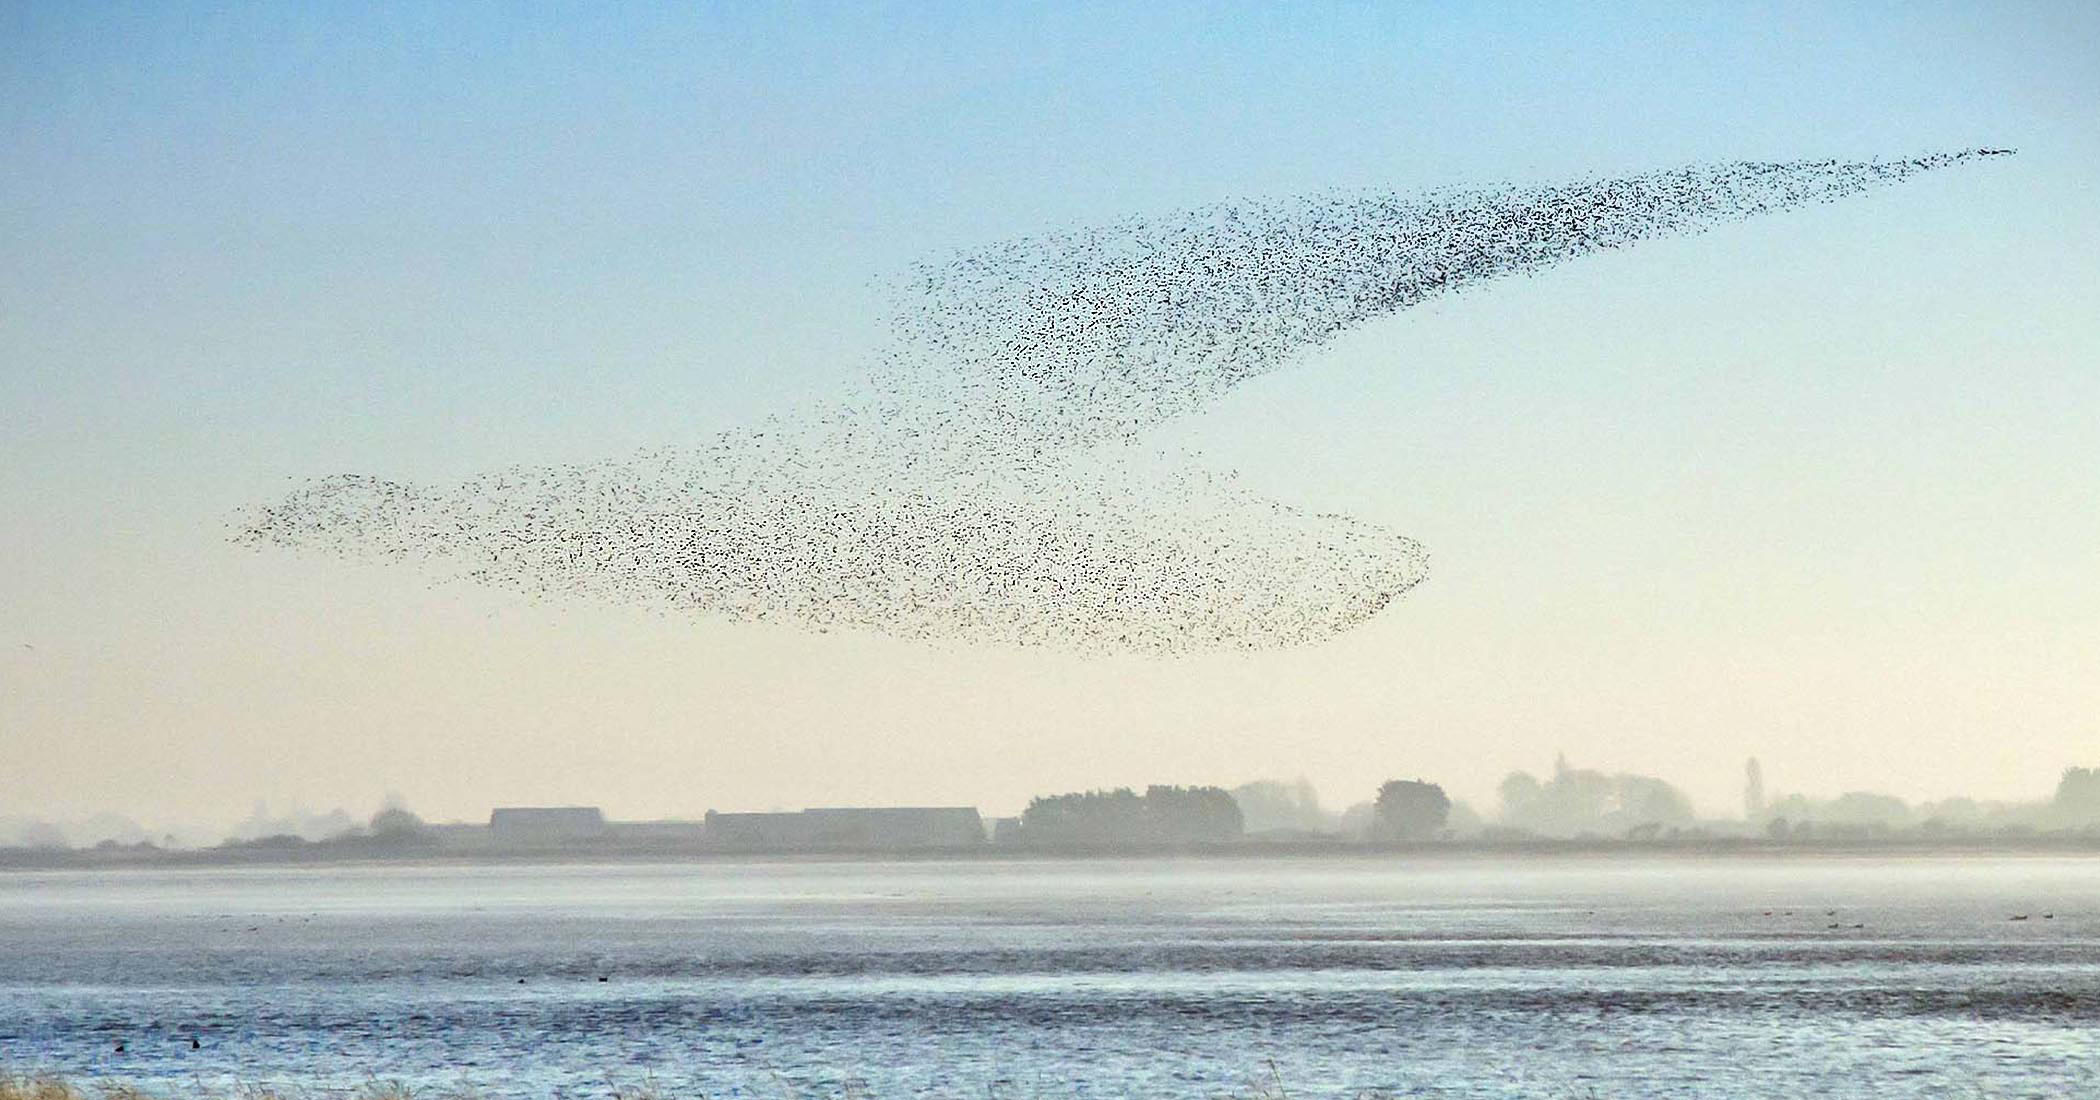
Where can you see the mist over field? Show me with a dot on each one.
(1566, 803)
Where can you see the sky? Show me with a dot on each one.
(1818, 488)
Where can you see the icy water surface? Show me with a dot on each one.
(1809, 977)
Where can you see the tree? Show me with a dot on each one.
(1268, 804)
(1162, 815)
(1184, 815)
(1646, 800)
(1578, 801)
(1868, 808)
(1409, 809)
(396, 825)
(1090, 817)
(2078, 794)
(1520, 792)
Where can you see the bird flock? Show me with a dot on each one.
(985, 481)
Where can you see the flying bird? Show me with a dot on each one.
(985, 481)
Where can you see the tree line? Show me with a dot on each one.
(1405, 810)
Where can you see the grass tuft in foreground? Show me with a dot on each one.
(17, 1086)
(45, 1086)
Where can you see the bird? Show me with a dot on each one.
(973, 484)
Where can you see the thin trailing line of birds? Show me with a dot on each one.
(985, 483)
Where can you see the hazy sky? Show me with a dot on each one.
(1823, 487)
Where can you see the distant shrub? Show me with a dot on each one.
(1409, 809)
(1162, 815)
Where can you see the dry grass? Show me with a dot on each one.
(1267, 1085)
(16, 1086)
(37, 1088)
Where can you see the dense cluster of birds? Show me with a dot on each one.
(984, 483)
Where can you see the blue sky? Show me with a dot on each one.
(1819, 487)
